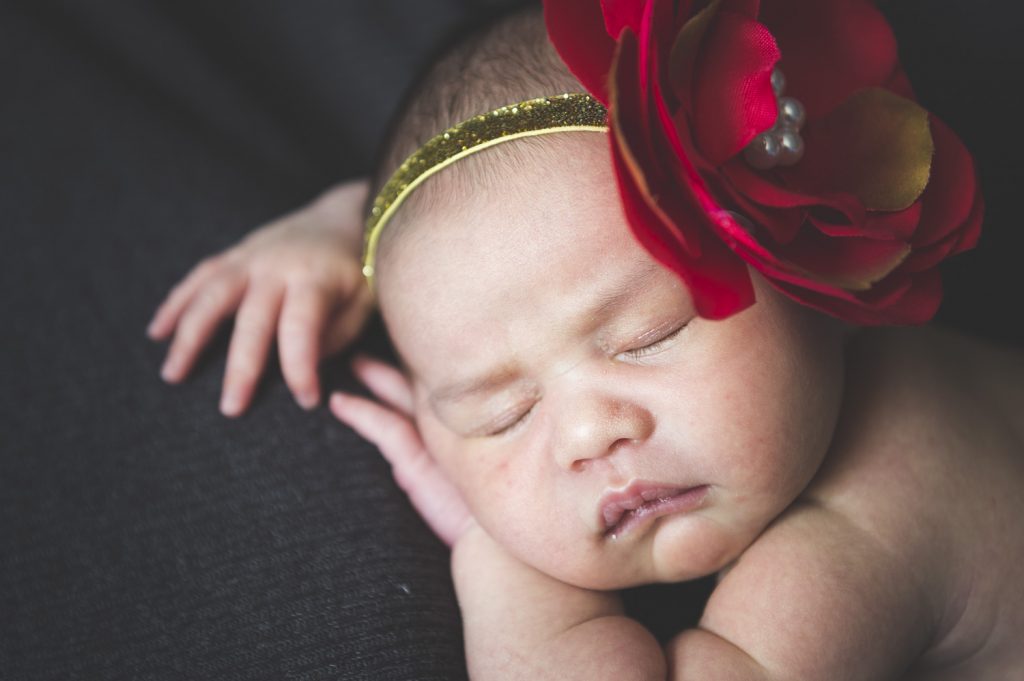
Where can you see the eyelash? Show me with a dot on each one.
(655, 346)
(514, 425)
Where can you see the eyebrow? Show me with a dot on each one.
(606, 304)
(612, 300)
(474, 386)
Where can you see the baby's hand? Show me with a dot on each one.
(299, 276)
(390, 426)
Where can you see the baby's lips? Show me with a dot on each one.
(616, 503)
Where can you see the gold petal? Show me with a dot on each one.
(875, 145)
(683, 55)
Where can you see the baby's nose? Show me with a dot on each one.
(594, 426)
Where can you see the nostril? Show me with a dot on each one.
(621, 443)
(583, 463)
(579, 465)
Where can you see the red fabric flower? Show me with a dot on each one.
(883, 193)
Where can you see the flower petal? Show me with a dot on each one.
(830, 48)
(900, 224)
(903, 299)
(733, 98)
(951, 192)
(623, 14)
(876, 145)
(717, 280)
(760, 188)
(850, 263)
(964, 238)
(665, 202)
(631, 133)
(682, 59)
(578, 32)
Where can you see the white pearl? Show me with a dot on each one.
(778, 82)
(791, 114)
(763, 151)
(791, 147)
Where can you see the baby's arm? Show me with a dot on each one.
(815, 597)
(522, 624)
(298, 278)
(518, 622)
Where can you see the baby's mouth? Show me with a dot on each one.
(625, 511)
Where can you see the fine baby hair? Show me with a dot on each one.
(505, 61)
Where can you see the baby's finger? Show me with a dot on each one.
(385, 381)
(302, 322)
(198, 323)
(393, 433)
(166, 316)
(250, 343)
(414, 470)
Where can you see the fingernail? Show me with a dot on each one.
(230, 404)
(169, 372)
(307, 400)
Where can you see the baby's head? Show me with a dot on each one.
(596, 426)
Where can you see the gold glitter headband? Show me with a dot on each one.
(561, 113)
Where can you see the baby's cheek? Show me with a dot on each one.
(502, 494)
(487, 482)
(516, 510)
(512, 500)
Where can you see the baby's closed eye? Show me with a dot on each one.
(655, 341)
(510, 422)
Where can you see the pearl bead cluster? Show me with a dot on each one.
(782, 145)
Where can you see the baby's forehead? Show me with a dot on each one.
(547, 178)
(452, 309)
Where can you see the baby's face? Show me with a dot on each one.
(596, 427)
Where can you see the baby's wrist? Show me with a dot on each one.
(341, 208)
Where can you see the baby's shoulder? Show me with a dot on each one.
(818, 594)
(924, 407)
(928, 460)
(928, 453)
(905, 378)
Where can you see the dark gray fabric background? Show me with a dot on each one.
(142, 535)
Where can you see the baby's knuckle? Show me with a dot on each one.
(253, 327)
(244, 367)
(293, 329)
(296, 273)
(268, 266)
(212, 297)
(187, 337)
(209, 264)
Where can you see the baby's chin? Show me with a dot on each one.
(678, 550)
(694, 548)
